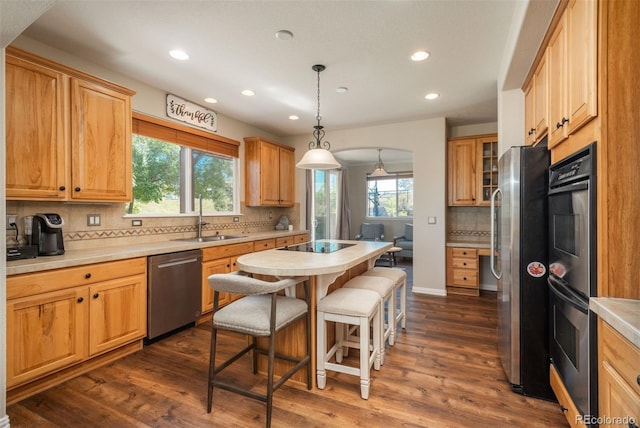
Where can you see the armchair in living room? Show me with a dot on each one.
(405, 242)
(371, 232)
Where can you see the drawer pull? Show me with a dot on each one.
(80, 300)
(464, 264)
(465, 278)
(96, 295)
(87, 275)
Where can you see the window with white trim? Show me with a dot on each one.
(390, 196)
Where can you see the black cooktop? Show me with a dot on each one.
(317, 247)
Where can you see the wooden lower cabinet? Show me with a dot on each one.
(618, 379)
(462, 271)
(56, 319)
(220, 259)
(564, 399)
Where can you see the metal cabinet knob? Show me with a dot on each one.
(96, 295)
(77, 189)
(62, 188)
(87, 275)
(80, 300)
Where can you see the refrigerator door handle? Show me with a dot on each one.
(492, 256)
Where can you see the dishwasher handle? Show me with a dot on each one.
(178, 262)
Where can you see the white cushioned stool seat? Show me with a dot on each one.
(399, 277)
(386, 290)
(352, 307)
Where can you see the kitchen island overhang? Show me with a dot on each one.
(326, 272)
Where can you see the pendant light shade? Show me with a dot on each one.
(318, 156)
(379, 171)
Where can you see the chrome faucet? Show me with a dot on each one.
(200, 222)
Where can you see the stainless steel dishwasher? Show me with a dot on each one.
(174, 290)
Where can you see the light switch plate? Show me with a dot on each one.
(431, 220)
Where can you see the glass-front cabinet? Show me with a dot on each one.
(488, 180)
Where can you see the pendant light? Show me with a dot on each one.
(318, 156)
(379, 171)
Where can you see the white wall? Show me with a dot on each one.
(476, 129)
(427, 140)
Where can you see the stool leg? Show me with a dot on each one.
(340, 337)
(380, 324)
(403, 304)
(391, 317)
(364, 354)
(377, 344)
(212, 363)
(321, 351)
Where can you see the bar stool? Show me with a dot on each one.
(399, 278)
(385, 289)
(261, 313)
(349, 306)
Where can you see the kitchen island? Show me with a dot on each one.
(327, 270)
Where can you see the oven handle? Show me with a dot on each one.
(492, 249)
(566, 295)
(573, 187)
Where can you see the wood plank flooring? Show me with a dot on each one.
(443, 372)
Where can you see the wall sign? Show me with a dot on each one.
(190, 113)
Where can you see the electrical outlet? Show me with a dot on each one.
(236, 219)
(431, 220)
(11, 218)
(270, 215)
(93, 220)
(136, 222)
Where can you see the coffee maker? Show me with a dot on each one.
(47, 234)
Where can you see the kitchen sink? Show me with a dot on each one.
(209, 238)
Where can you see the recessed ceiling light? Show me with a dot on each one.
(294, 117)
(179, 54)
(432, 96)
(342, 89)
(210, 100)
(420, 55)
(248, 93)
(284, 35)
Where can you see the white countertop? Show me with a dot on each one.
(622, 314)
(105, 254)
(297, 263)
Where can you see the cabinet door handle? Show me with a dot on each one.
(80, 300)
(564, 409)
(62, 188)
(77, 189)
(87, 275)
(532, 130)
(96, 295)
(464, 264)
(228, 265)
(561, 123)
(638, 379)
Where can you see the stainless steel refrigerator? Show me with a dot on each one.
(519, 259)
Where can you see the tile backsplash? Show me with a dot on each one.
(116, 229)
(469, 223)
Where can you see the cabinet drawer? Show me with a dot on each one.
(620, 354)
(465, 278)
(299, 239)
(223, 251)
(284, 241)
(466, 253)
(264, 244)
(29, 284)
(461, 263)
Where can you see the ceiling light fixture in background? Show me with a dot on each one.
(318, 156)
(179, 54)
(210, 100)
(379, 171)
(420, 55)
(432, 96)
(248, 93)
(284, 35)
(293, 117)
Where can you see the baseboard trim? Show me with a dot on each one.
(431, 291)
(489, 287)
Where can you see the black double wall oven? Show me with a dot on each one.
(572, 276)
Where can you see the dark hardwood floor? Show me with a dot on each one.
(443, 372)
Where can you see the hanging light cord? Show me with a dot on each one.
(318, 132)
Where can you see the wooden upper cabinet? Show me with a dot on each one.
(269, 173)
(472, 170)
(100, 143)
(541, 97)
(68, 134)
(36, 146)
(572, 55)
(581, 62)
(557, 84)
(461, 170)
(529, 114)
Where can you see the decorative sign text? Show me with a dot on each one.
(190, 113)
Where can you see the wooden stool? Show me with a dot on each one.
(352, 307)
(399, 277)
(385, 289)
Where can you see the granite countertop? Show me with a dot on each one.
(105, 254)
(300, 263)
(622, 314)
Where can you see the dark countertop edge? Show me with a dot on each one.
(621, 314)
(82, 257)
